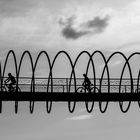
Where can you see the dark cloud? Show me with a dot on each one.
(98, 24)
(70, 33)
(94, 26)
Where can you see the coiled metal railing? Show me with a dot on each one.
(50, 95)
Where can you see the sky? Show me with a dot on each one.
(72, 26)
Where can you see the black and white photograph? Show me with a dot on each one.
(69, 69)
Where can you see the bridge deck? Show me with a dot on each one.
(64, 97)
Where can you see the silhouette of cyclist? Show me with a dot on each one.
(86, 83)
(11, 81)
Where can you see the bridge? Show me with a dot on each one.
(103, 89)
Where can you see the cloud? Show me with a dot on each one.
(37, 27)
(94, 26)
(68, 31)
(89, 25)
(81, 117)
(98, 24)
(121, 28)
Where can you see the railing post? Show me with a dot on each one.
(125, 88)
(63, 86)
(67, 85)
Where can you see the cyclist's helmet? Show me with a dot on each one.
(9, 74)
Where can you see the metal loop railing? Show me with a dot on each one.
(71, 83)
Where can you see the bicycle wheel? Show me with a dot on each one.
(17, 89)
(94, 90)
(137, 90)
(81, 90)
(3, 89)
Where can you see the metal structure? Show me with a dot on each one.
(71, 95)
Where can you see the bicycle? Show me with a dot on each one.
(5, 88)
(137, 90)
(92, 89)
(83, 89)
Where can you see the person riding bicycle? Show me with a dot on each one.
(86, 83)
(12, 81)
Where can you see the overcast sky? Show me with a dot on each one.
(67, 25)
(73, 26)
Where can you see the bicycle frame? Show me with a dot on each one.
(7, 86)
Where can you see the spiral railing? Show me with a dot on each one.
(71, 95)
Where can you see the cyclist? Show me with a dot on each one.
(11, 81)
(86, 83)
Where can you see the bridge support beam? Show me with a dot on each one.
(64, 97)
